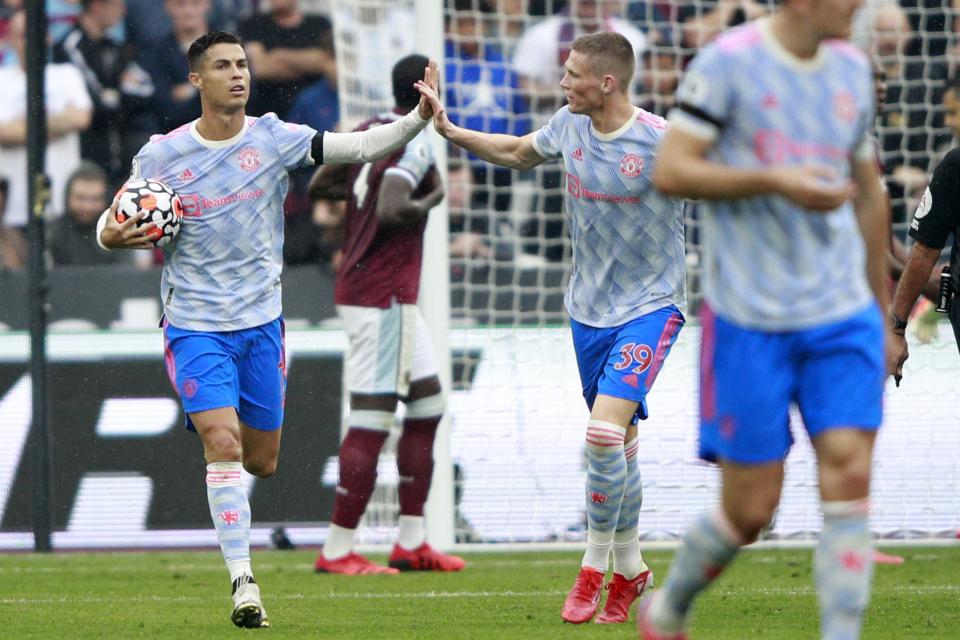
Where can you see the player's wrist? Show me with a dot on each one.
(897, 324)
(418, 117)
(101, 227)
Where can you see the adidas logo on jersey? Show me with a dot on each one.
(577, 154)
(186, 175)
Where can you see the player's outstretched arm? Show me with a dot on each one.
(379, 142)
(505, 150)
(682, 169)
(122, 235)
(396, 204)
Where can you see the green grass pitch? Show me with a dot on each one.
(767, 594)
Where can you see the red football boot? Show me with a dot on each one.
(650, 632)
(352, 564)
(584, 597)
(621, 594)
(424, 558)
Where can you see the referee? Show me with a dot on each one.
(937, 216)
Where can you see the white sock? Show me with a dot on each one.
(238, 568)
(411, 532)
(597, 555)
(627, 560)
(339, 542)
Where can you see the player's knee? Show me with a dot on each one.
(604, 436)
(847, 473)
(262, 467)
(750, 518)
(430, 406)
(222, 445)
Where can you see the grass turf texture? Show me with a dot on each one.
(767, 594)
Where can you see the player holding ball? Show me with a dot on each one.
(222, 324)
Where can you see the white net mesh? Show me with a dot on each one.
(517, 414)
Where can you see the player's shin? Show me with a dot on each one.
(627, 560)
(415, 467)
(606, 479)
(843, 568)
(708, 547)
(230, 510)
(359, 453)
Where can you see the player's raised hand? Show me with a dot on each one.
(126, 234)
(816, 188)
(440, 120)
(431, 78)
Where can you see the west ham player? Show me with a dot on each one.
(626, 297)
(223, 328)
(772, 131)
(389, 357)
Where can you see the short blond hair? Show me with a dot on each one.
(609, 53)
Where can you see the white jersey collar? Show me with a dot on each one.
(219, 144)
(613, 135)
(786, 56)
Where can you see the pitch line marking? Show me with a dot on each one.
(431, 595)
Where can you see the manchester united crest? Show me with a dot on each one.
(249, 159)
(631, 165)
(845, 106)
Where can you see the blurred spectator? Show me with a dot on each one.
(907, 122)
(61, 17)
(176, 101)
(861, 30)
(13, 246)
(317, 105)
(512, 16)
(312, 228)
(7, 8)
(119, 87)
(287, 51)
(544, 48)
(538, 61)
(703, 20)
(68, 113)
(467, 238)
(72, 239)
(951, 120)
(662, 66)
(147, 21)
(482, 93)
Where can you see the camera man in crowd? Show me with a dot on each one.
(937, 216)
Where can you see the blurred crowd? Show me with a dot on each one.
(118, 75)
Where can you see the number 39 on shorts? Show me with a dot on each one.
(634, 354)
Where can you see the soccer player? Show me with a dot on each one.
(389, 357)
(626, 297)
(771, 132)
(223, 329)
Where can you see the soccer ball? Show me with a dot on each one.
(160, 202)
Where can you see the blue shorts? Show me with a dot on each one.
(624, 361)
(835, 373)
(244, 369)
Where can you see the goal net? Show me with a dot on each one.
(517, 417)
